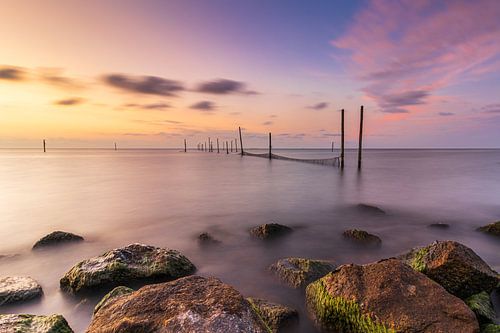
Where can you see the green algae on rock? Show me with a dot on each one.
(116, 292)
(56, 238)
(14, 289)
(270, 230)
(26, 323)
(362, 236)
(454, 266)
(492, 229)
(482, 307)
(134, 262)
(386, 296)
(298, 272)
(277, 317)
(189, 304)
(490, 328)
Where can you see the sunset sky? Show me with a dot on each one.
(151, 73)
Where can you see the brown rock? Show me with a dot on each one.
(270, 230)
(361, 236)
(278, 318)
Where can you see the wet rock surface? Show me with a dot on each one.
(57, 238)
(492, 229)
(15, 289)
(270, 231)
(298, 272)
(125, 265)
(205, 239)
(454, 266)
(362, 237)
(25, 323)
(116, 292)
(439, 225)
(481, 305)
(277, 317)
(387, 296)
(370, 209)
(189, 304)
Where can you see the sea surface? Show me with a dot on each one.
(167, 197)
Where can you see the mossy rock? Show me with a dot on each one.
(482, 307)
(387, 296)
(277, 317)
(206, 239)
(370, 209)
(270, 231)
(116, 292)
(298, 272)
(492, 229)
(362, 237)
(57, 238)
(15, 289)
(454, 266)
(26, 323)
(490, 328)
(125, 265)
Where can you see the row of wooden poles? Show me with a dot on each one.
(227, 146)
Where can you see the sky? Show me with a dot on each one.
(153, 73)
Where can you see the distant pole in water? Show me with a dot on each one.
(333, 144)
(231, 146)
(206, 147)
(115, 146)
(209, 144)
(227, 148)
(185, 146)
(360, 147)
(44, 150)
(342, 141)
(218, 151)
(241, 141)
(235, 145)
(270, 146)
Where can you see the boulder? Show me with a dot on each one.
(481, 305)
(26, 323)
(369, 209)
(361, 236)
(454, 266)
(490, 328)
(277, 317)
(492, 229)
(207, 239)
(270, 230)
(15, 289)
(298, 272)
(189, 304)
(118, 291)
(56, 238)
(439, 225)
(386, 296)
(133, 263)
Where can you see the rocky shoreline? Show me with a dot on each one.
(442, 287)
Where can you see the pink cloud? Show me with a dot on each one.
(406, 51)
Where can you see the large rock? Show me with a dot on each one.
(482, 307)
(56, 238)
(189, 304)
(134, 262)
(298, 272)
(270, 230)
(118, 291)
(206, 239)
(277, 317)
(454, 266)
(25, 323)
(18, 288)
(387, 296)
(362, 237)
(492, 229)
(369, 209)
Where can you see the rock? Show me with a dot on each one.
(270, 230)
(454, 266)
(26, 323)
(125, 265)
(189, 304)
(56, 238)
(298, 272)
(361, 236)
(277, 317)
(481, 305)
(439, 225)
(207, 239)
(386, 296)
(116, 292)
(369, 209)
(15, 289)
(490, 328)
(492, 229)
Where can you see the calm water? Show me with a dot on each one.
(166, 198)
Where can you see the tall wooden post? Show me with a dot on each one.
(209, 144)
(227, 148)
(333, 144)
(115, 145)
(241, 141)
(218, 146)
(270, 146)
(360, 147)
(231, 146)
(185, 146)
(235, 145)
(342, 142)
(44, 150)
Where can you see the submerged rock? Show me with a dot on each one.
(15, 289)
(25, 323)
(298, 272)
(369, 209)
(387, 296)
(492, 229)
(482, 307)
(454, 266)
(125, 265)
(362, 236)
(116, 292)
(277, 317)
(270, 230)
(189, 304)
(56, 238)
(439, 225)
(207, 239)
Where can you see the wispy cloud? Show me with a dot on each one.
(150, 106)
(150, 85)
(224, 87)
(69, 101)
(56, 77)
(491, 108)
(204, 106)
(318, 106)
(446, 114)
(267, 123)
(12, 73)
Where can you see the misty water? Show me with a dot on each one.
(166, 198)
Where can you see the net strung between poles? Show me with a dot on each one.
(333, 161)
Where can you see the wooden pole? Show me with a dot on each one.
(235, 145)
(44, 150)
(241, 141)
(227, 148)
(231, 146)
(342, 142)
(360, 147)
(333, 144)
(185, 146)
(115, 145)
(270, 146)
(209, 144)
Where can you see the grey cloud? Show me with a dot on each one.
(151, 85)
(69, 101)
(204, 106)
(12, 73)
(224, 87)
(318, 106)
